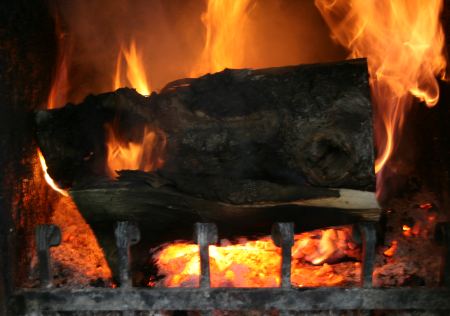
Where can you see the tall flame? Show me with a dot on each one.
(225, 22)
(135, 69)
(60, 85)
(58, 91)
(403, 42)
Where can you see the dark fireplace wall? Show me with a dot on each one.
(27, 55)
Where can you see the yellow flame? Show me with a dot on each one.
(403, 41)
(145, 155)
(47, 177)
(225, 22)
(135, 70)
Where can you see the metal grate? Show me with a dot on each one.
(286, 300)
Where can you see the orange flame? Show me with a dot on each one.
(403, 41)
(258, 263)
(47, 177)
(58, 91)
(135, 73)
(60, 86)
(145, 155)
(225, 22)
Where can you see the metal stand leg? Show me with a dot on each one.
(47, 236)
(127, 234)
(369, 241)
(283, 236)
(205, 235)
(442, 237)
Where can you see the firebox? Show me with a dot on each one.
(224, 157)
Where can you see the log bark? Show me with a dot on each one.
(309, 126)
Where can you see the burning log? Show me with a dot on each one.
(307, 125)
(242, 148)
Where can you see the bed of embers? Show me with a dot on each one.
(327, 257)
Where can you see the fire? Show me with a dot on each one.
(225, 22)
(145, 155)
(135, 74)
(47, 177)
(258, 263)
(403, 41)
(60, 86)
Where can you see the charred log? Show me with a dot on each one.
(309, 126)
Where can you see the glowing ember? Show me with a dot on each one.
(406, 231)
(145, 155)
(258, 263)
(225, 22)
(392, 249)
(426, 206)
(403, 41)
(47, 177)
(79, 251)
(135, 73)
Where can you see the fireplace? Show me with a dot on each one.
(224, 157)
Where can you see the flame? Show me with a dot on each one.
(135, 73)
(60, 85)
(47, 177)
(145, 155)
(258, 263)
(59, 89)
(403, 42)
(225, 22)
